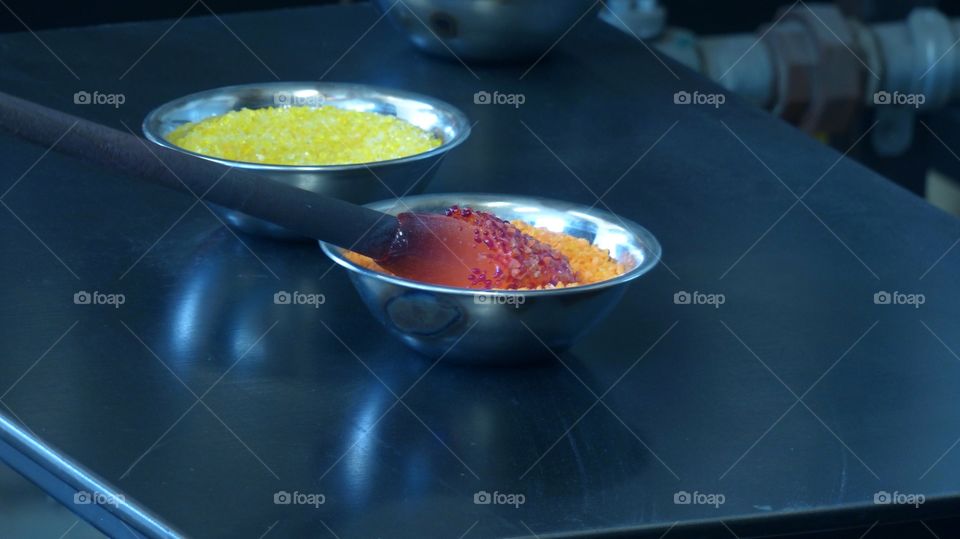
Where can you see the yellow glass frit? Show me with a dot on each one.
(303, 136)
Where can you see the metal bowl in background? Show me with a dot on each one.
(431, 318)
(356, 183)
(485, 29)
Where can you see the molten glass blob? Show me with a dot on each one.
(473, 249)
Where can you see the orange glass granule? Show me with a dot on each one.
(589, 263)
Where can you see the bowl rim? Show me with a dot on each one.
(641, 236)
(460, 119)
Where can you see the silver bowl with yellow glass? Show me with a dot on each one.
(355, 142)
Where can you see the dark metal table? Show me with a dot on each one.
(791, 406)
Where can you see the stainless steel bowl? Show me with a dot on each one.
(485, 29)
(356, 183)
(502, 326)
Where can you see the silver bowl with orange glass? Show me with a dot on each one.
(502, 326)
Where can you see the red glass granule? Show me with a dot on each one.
(473, 249)
(518, 260)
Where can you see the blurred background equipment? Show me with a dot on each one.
(818, 68)
(837, 71)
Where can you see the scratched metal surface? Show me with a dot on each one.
(797, 399)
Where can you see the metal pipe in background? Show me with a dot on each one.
(819, 69)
